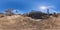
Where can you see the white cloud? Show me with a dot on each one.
(51, 9)
(16, 11)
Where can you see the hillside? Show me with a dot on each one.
(19, 22)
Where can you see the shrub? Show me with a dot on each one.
(37, 15)
(55, 15)
(1, 15)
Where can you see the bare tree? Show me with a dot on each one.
(9, 11)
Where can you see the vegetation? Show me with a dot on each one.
(34, 20)
(37, 15)
(32, 14)
(9, 11)
(1, 15)
(55, 14)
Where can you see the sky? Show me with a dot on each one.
(24, 6)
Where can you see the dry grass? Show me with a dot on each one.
(18, 22)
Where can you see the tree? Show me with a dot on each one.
(37, 15)
(9, 11)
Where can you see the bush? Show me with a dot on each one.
(55, 15)
(1, 15)
(37, 15)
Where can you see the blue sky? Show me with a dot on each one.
(28, 5)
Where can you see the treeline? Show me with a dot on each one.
(40, 15)
(32, 14)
